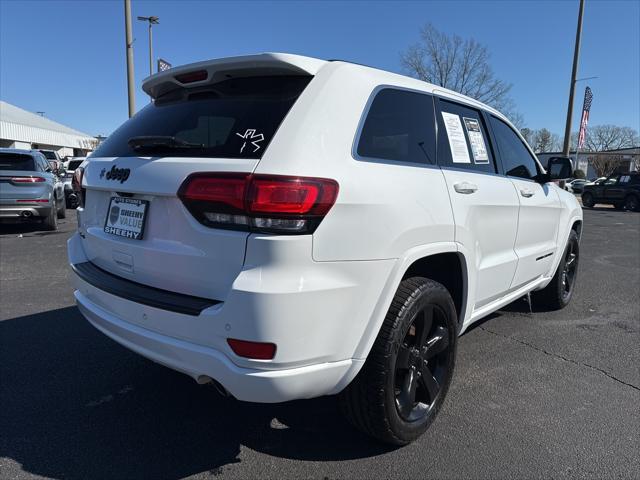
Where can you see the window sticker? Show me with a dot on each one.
(476, 139)
(457, 142)
(250, 134)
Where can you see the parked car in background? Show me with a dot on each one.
(577, 185)
(333, 230)
(70, 166)
(29, 189)
(594, 180)
(622, 190)
(53, 158)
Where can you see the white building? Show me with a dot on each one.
(22, 129)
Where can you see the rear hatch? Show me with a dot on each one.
(133, 178)
(19, 180)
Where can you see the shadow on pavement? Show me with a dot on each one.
(77, 405)
(8, 228)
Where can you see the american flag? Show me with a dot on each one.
(588, 96)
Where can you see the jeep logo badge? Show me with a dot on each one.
(117, 174)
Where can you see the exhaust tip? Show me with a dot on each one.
(26, 214)
(207, 380)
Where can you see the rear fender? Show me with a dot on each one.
(390, 288)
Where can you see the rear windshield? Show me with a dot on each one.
(73, 164)
(236, 118)
(16, 161)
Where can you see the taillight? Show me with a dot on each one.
(76, 185)
(27, 179)
(263, 203)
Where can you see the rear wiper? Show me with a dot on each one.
(160, 141)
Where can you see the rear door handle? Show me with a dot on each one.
(525, 192)
(465, 187)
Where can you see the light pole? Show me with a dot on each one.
(129, 51)
(152, 21)
(572, 89)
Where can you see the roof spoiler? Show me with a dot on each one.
(214, 71)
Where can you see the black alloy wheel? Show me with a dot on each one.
(569, 269)
(401, 387)
(422, 363)
(557, 294)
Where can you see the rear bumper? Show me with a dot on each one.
(316, 323)
(199, 362)
(17, 211)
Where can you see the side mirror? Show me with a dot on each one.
(559, 168)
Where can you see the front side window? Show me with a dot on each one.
(400, 127)
(236, 118)
(516, 159)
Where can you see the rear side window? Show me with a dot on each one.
(16, 161)
(48, 154)
(236, 118)
(399, 126)
(73, 164)
(516, 159)
(462, 139)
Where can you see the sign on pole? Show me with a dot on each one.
(163, 65)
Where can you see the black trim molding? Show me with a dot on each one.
(136, 292)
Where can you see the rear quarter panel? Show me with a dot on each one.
(383, 208)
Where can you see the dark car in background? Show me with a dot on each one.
(29, 188)
(622, 190)
(71, 198)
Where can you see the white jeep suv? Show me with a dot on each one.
(287, 227)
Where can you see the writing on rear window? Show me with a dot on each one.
(236, 118)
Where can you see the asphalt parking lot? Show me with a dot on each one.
(548, 394)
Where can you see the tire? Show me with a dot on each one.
(632, 203)
(558, 293)
(51, 221)
(389, 400)
(588, 200)
(62, 210)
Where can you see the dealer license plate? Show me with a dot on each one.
(126, 217)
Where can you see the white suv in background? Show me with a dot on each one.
(287, 227)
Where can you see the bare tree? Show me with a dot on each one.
(529, 135)
(545, 141)
(605, 165)
(601, 138)
(610, 137)
(461, 65)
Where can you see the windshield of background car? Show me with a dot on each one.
(16, 161)
(236, 118)
(49, 155)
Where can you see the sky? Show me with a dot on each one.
(67, 58)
